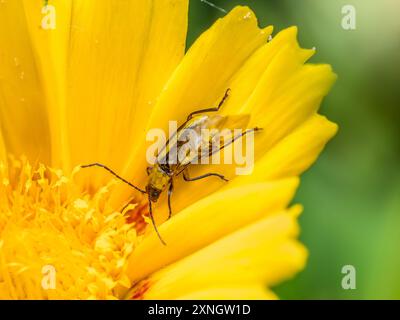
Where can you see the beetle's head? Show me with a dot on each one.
(153, 193)
(157, 182)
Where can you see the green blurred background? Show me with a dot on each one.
(352, 194)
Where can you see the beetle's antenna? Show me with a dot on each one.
(114, 174)
(154, 223)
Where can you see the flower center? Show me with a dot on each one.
(56, 240)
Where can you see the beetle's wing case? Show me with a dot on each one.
(194, 140)
(204, 145)
(179, 138)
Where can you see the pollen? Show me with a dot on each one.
(47, 220)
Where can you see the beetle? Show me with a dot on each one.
(161, 175)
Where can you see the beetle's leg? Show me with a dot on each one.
(211, 109)
(170, 190)
(148, 169)
(154, 222)
(114, 174)
(187, 178)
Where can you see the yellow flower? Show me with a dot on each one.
(88, 90)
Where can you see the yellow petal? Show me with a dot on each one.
(265, 252)
(256, 292)
(208, 220)
(280, 98)
(202, 77)
(50, 47)
(287, 95)
(248, 78)
(294, 154)
(290, 157)
(296, 100)
(22, 107)
(121, 54)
